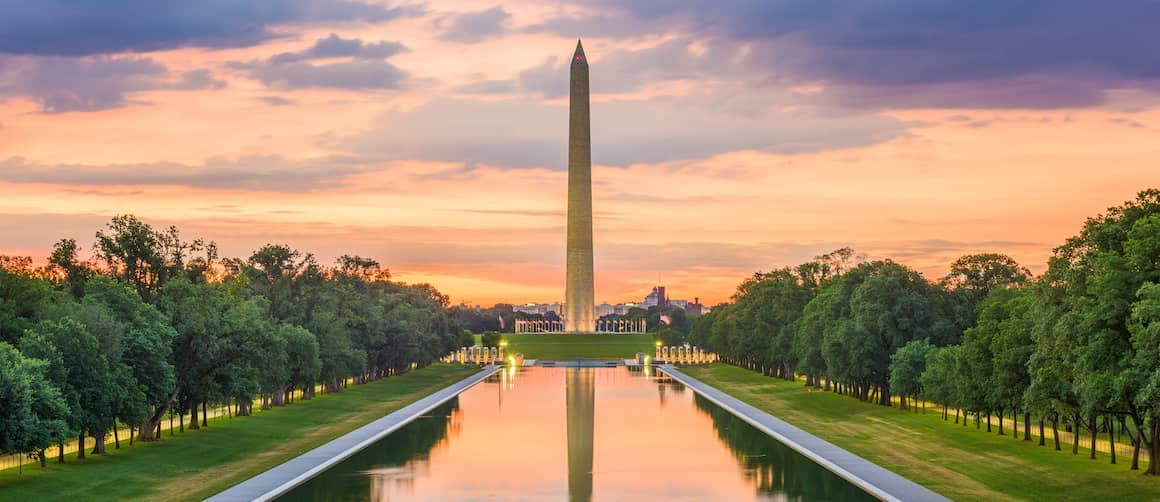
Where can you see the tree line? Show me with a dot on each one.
(1078, 344)
(153, 325)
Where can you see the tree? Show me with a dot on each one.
(65, 264)
(79, 369)
(1145, 330)
(893, 305)
(1093, 280)
(906, 368)
(32, 412)
(972, 277)
(938, 379)
(22, 296)
(145, 258)
(144, 344)
(1011, 347)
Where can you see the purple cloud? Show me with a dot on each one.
(90, 27)
(915, 53)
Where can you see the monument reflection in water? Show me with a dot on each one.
(581, 388)
(579, 434)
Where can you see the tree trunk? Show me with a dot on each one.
(957, 417)
(1094, 427)
(278, 397)
(116, 439)
(43, 458)
(1135, 451)
(1112, 438)
(1154, 450)
(1000, 423)
(60, 452)
(193, 425)
(1027, 426)
(204, 416)
(151, 428)
(81, 445)
(1041, 438)
(99, 443)
(1055, 430)
(1075, 435)
(988, 421)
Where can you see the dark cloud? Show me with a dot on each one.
(363, 67)
(96, 83)
(335, 46)
(199, 79)
(915, 53)
(90, 27)
(276, 100)
(472, 27)
(260, 173)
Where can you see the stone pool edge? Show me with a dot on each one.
(288, 475)
(870, 477)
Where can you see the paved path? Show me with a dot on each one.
(873, 479)
(279, 480)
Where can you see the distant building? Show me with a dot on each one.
(656, 298)
(695, 308)
(537, 308)
(604, 309)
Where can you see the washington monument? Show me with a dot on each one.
(579, 294)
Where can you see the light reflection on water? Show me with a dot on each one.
(580, 434)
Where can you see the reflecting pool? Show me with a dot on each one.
(580, 434)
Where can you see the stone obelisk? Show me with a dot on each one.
(579, 294)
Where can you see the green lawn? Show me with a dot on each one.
(197, 464)
(960, 462)
(557, 347)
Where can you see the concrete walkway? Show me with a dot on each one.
(279, 480)
(862, 473)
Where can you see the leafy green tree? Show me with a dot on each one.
(22, 296)
(79, 369)
(938, 379)
(972, 277)
(144, 344)
(33, 415)
(302, 358)
(1093, 280)
(72, 272)
(145, 258)
(1145, 330)
(817, 316)
(906, 368)
(1011, 346)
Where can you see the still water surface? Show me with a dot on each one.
(580, 434)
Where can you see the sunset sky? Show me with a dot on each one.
(728, 137)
